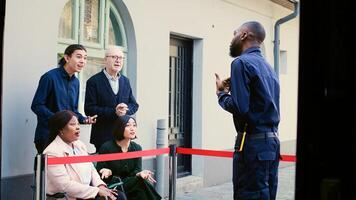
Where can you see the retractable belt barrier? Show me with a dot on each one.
(144, 153)
(227, 154)
(106, 157)
(172, 151)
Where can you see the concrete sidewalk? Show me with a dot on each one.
(224, 191)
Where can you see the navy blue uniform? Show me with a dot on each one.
(254, 100)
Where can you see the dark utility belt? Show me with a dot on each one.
(240, 138)
(255, 136)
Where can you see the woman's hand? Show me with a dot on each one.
(105, 192)
(105, 173)
(147, 175)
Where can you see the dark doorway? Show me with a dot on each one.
(180, 98)
(327, 94)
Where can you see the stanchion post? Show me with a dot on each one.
(160, 142)
(41, 163)
(172, 139)
(172, 171)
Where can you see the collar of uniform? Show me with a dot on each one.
(251, 49)
(110, 77)
(64, 73)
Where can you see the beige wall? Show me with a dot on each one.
(212, 21)
(30, 40)
(30, 35)
(289, 81)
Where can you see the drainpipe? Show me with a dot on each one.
(276, 34)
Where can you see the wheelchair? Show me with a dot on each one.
(57, 196)
(115, 183)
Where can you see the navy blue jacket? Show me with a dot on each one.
(254, 96)
(100, 100)
(56, 91)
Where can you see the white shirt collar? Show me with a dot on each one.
(111, 77)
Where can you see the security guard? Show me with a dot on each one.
(251, 94)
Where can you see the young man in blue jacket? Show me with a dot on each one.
(58, 89)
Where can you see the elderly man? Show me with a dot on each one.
(108, 95)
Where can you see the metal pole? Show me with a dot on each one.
(41, 163)
(172, 171)
(160, 142)
(276, 35)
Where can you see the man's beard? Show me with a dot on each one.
(234, 50)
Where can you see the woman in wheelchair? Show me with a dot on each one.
(78, 180)
(137, 183)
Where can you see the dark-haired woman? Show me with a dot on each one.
(79, 180)
(58, 89)
(137, 182)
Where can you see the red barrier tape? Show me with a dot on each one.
(228, 154)
(202, 152)
(137, 154)
(105, 157)
(288, 158)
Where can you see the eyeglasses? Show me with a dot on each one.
(116, 57)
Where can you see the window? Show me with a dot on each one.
(91, 21)
(283, 62)
(96, 24)
(115, 35)
(66, 21)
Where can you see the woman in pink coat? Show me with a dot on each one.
(78, 180)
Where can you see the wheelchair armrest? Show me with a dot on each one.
(57, 195)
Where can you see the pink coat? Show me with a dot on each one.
(78, 180)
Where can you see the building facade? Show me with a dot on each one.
(172, 50)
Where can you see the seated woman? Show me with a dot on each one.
(78, 180)
(136, 182)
